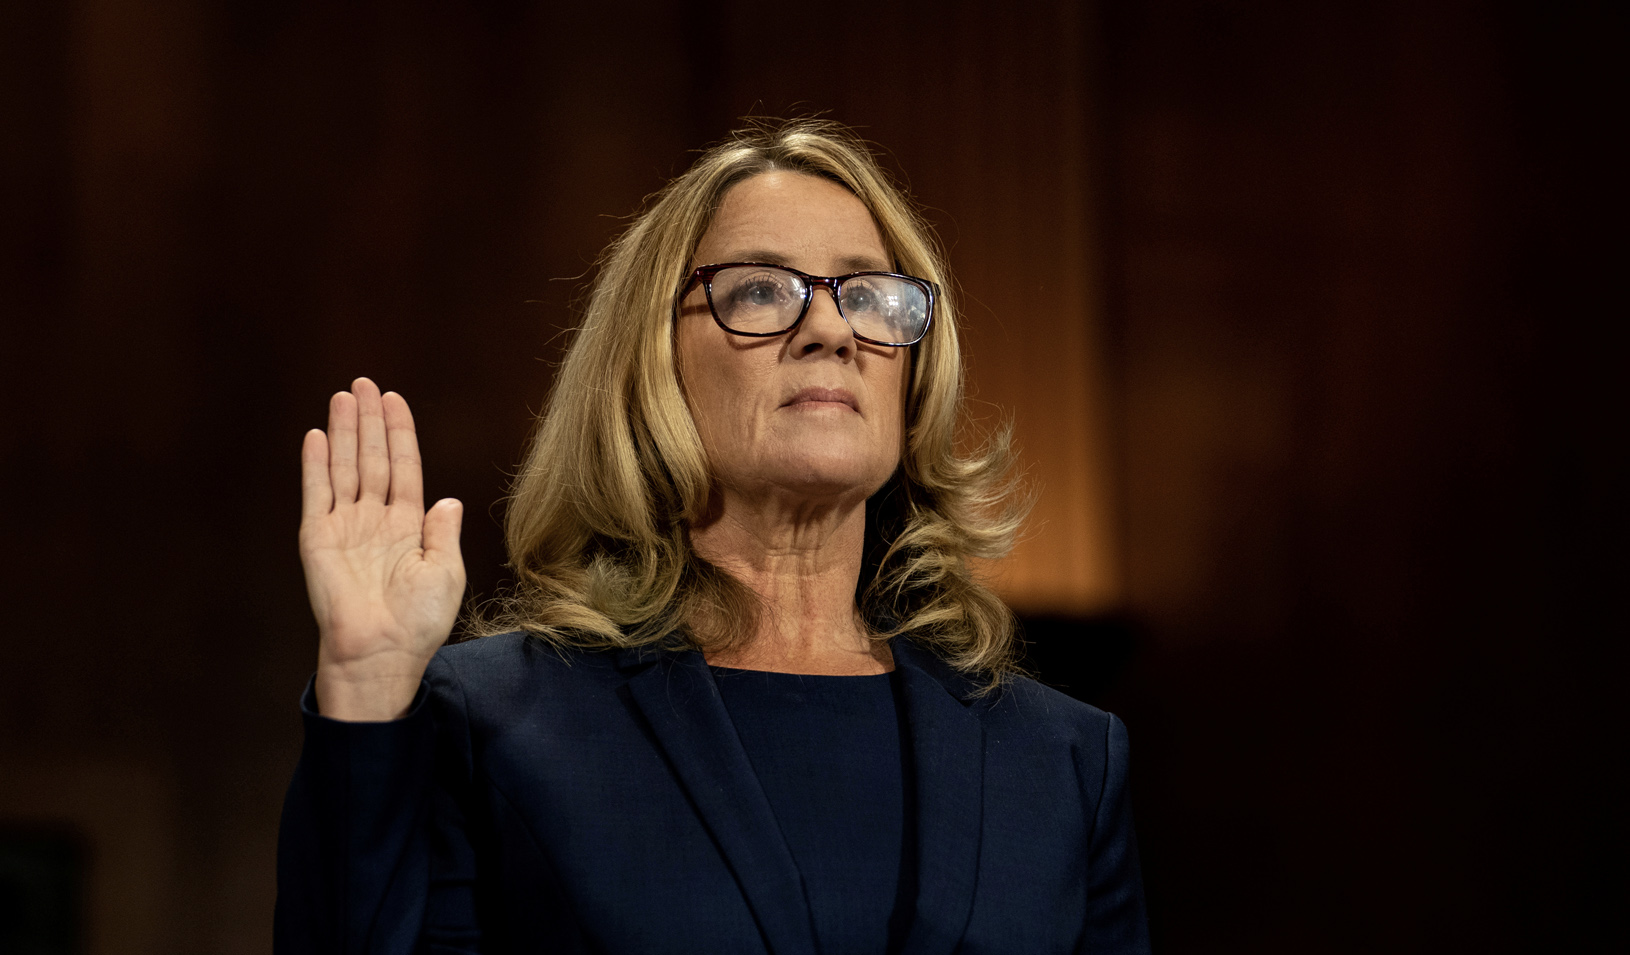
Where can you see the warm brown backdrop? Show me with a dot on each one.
(1294, 306)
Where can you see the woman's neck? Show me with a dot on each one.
(804, 572)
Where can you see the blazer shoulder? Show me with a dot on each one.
(1032, 714)
(513, 669)
(1018, 706)
(1025, 702)
(518, 649)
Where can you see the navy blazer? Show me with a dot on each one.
(540, 800)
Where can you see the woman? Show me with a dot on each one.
(749, 698)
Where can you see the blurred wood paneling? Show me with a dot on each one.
(1363, 550)
(987, 118)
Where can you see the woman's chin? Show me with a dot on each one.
(826, 479)
(815, 466)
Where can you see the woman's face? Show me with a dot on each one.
(812, 414)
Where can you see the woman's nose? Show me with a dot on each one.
(823, 328)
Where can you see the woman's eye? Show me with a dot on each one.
(761, 293)
(860, 298)
(756, 291)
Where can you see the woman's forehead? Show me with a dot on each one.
(796, 219)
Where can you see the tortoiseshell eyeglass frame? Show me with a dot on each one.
(832, 284)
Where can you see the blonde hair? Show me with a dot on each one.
(599, 514)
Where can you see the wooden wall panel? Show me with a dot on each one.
(987, 115)
(1355, 496)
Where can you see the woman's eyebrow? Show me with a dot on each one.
(758, 255)
(864, 263)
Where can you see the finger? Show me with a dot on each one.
(407, 472)
(441, 526)
(316, 491)
(342, 446)
(373, 457)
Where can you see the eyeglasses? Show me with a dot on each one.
(758, 300)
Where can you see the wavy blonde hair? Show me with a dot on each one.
(599, 514)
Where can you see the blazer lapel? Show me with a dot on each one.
(681, 703)
(948, 751)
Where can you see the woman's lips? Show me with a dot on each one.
(835, 396)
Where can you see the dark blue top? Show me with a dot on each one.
(829, 752)
(537, 799)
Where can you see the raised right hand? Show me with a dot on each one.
(385, 577)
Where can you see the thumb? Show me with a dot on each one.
(441, 527)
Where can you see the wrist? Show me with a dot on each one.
(374, 690)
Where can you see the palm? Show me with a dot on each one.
(371, 582)
(385, 578)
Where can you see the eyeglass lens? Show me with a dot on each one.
(765, 299)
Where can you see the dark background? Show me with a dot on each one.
(1350, 273)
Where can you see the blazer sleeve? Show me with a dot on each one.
(1115, 918)
(374, 854)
